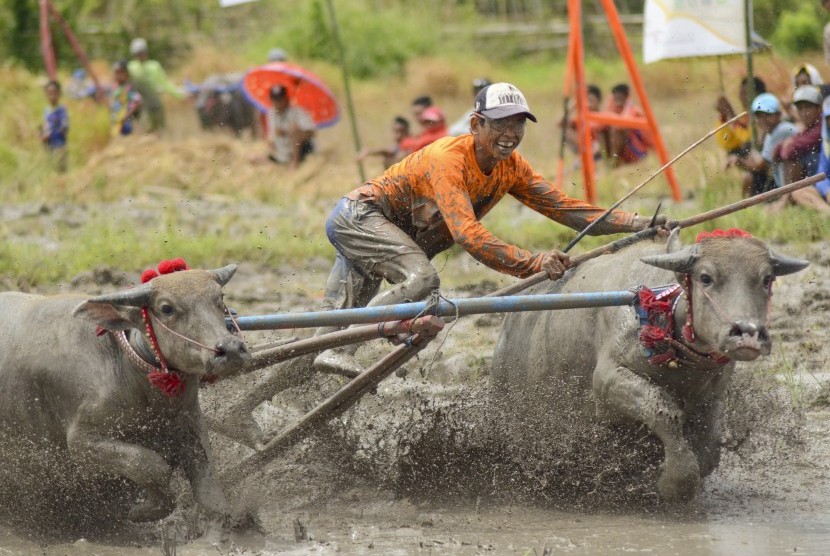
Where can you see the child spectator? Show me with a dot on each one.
(125, 102)
(55, 127)
(403, 143)
(625, 146)
(594, 97)
(434, 127)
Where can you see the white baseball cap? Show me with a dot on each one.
(807, 93)
(138, 45)
(501, 100)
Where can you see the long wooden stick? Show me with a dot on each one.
(628, 195)
(649, 233)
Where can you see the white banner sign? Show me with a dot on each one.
(685, 28)
(227, 3)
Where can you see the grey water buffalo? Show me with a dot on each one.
(74, 379)
(220, 103)
(666, 367)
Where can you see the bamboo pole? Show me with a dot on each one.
(651, 232)
(346, 85)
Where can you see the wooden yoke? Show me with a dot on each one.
(585, 118)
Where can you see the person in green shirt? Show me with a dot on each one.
(152, 82)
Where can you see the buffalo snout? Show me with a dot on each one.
(747, 340)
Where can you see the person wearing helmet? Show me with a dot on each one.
(462, 124)
(390, 227)
(767, 110)
(151, 82)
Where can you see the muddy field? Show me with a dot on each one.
(416, 468)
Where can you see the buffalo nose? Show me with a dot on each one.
(741, 328)
(231, 346)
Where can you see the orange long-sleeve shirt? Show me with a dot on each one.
(438, 195)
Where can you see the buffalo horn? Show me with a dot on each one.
(680, 261)
(138, 296)
(782, 264)
(224, 274)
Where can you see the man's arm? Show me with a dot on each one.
(533, 191)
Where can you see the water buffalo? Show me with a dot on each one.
(74, 377)
(667, 370)
(221, 103)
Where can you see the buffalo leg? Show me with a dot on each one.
(196, 464)
(705, 434)
(144, 467)
(625, 396)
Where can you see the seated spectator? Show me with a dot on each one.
(623, 145)
(594, 98)
(403, 143)
(462, 124)
(799, 154)
(805, 74)
(818, 196)
(290, 130)
(434, 127)
(125, 101)
(419, 105)
(736, 139)
(767, 110)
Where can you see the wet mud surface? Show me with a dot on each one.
(418, 467)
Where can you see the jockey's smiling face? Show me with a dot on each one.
(496, 139)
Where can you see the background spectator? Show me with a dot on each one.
(736, 139)
(290, 130)
(625, 145)
(403, 142)
(125, 101)
(55, 127)
(462, 124)
(152, 83)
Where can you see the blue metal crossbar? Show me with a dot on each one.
(445, 308)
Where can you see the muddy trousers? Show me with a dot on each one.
(371, 249)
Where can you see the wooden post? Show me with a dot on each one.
(46, 41)
(625, 51)
(583, 130)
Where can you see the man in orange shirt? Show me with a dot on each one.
(390, 227)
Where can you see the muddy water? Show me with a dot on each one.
(379, 480)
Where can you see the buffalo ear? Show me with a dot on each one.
(680, 262)
(673, 245)
(782, 264)
(109, 316)
(223, 275)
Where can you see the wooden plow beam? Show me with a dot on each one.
(423, 328)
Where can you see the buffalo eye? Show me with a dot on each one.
(706, 280)
(167, 309)
(768, 280)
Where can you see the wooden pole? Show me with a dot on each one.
(566, 98)
(625, 51)
(335, 405)
(346, 86)
(649, 233)
(750, 78)
(46, 41)
(78, 49)
(582, 128)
